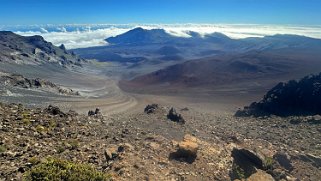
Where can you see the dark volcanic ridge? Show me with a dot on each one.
(18, 81)
(301, 97)
(34, 50)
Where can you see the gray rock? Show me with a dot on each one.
(284, 160)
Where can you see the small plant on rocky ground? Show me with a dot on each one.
(34, 160)
(26, 118)
(52, 124)
(60, 148)
(56, 170)
(74, 144)
(2, 148)
(26, 122)
(40, 128)
(239, 173)
(268, 163)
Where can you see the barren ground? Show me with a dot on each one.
(150, 139)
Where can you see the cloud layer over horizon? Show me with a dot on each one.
(81, 36)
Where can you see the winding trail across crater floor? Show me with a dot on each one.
(108, 98)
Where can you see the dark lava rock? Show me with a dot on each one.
(314, 160)
(37, 82)
(284, 160)
(249, 156)
(54, 110)
(295, 121)
(246, 161)
(94, 113)
(174, 116)
(97, 111)
(287, 99)
(91, 113)
(151, 108)
(185, 109)
(315, 119)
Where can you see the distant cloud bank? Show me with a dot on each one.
(80, 36)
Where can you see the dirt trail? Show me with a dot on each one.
(108, 98)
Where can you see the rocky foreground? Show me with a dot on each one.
(160, 144)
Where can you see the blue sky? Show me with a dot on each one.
(300, 12)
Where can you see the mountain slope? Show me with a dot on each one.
(34, 50)
(234, 68)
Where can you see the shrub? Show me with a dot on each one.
(56, 170)
(60, 149)
(26, 122)
(26, 118)
(34, 160)
(239, 173)
(74, 144)
(40, 128)
(2, 148)
(268, 163)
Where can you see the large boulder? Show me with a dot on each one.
(284, 160)
(312, 159)
(246, 162)
(186, 149)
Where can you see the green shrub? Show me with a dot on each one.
(52, 124)
(60, 149)
(40, 128)
(34, 160)
(2, 148)
(74, 144)
(268, 163)
(26, 122)
(26, 118)
(58, 170)
(238, 172)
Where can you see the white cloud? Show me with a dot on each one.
(62, 29)
(79, 36)
(43, 30)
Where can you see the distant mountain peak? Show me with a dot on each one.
(194, 34)
(141, 36)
